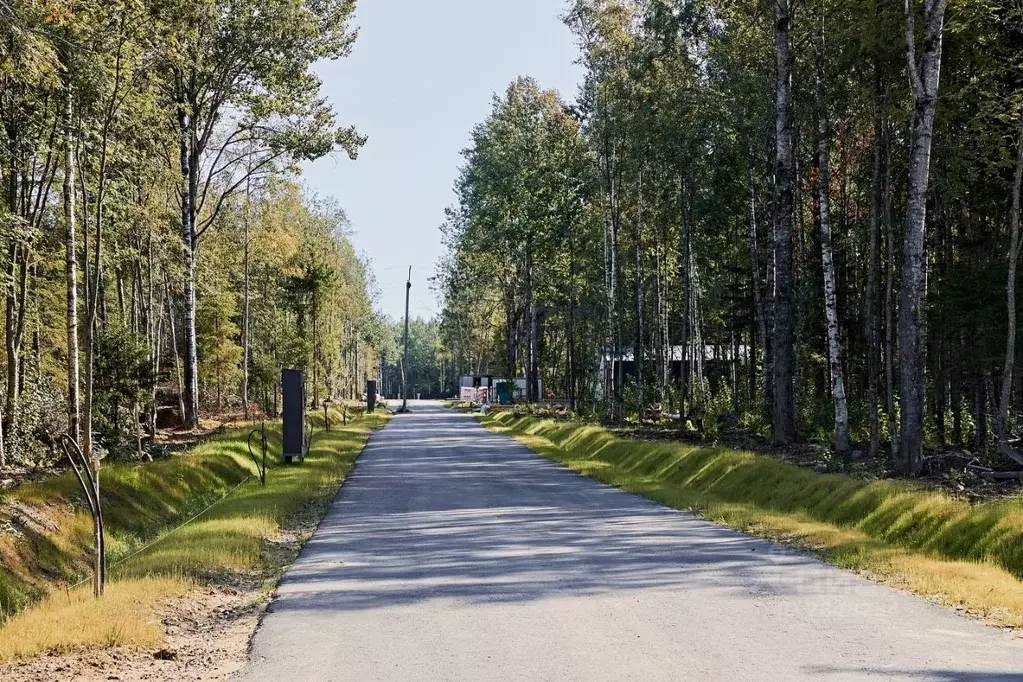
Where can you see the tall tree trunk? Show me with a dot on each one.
(571, 321)
(608, 352)
(94, 294)
(119, 286)
(217, 375)
(316, 364)
(616, 276)
(666, 384)
(11, 341)
(189, 239)
(734, 364)
(532, 334)
(687, 283)
(10, 344)
(699, 345)
(154, 328)
(889, 300)
(638, 350)
(157, 352)
(245, 305)
(511, 317)
(17, 271)
(830, 302)
(174, 345)
(1010, 295)
(783, 429)
(979, 411)
(534, 351)
(924, 77)
(871, 302)
(18, 344)
(71, 269)
(760, 315)
(956, 396)
(828, 258)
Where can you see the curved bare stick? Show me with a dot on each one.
(255, 460)
(78, 473)
(91, 490)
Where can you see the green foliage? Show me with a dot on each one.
(577, 217)
(311, 294)
(515, 235)
(152, 128)
(123, 381)
(430, 373)
(42, 416)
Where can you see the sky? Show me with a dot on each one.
(421, 75)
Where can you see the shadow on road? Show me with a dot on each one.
(440, 508)
(455, 553)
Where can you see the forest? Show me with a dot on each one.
(160, 262)
(795, 218)
(431, 373)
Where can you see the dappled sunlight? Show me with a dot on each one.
(495, 541)
(956, 553)
(449, 540)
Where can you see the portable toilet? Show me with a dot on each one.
(505, 393)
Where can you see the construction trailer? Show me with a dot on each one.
(490, 389)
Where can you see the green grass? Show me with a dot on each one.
(230, 536)
(968, 555)
(143, 503)
(139, 501)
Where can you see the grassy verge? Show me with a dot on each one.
(141, 502)
(962, 555)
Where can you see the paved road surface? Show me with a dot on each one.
(456, 554)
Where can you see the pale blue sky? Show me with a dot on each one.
(421, 75)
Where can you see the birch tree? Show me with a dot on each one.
(924, 66)
(245, 102)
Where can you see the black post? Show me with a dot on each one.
(293, 428)
(404, 364)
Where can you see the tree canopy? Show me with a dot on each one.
(160, 261)
(756, 214)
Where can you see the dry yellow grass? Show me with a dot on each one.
(68, 621)
(231, 536)
(961, 555)
(981, 588)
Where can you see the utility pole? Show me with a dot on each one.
(404, 362)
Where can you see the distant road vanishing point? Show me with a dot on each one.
(456, 554)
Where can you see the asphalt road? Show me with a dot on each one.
(456, 554)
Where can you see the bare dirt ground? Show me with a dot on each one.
(207, 633)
